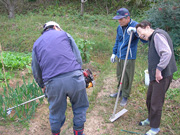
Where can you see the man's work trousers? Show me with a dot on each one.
(155, 100)
(128, 76)
(70, 85)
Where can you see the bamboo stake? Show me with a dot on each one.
(4, 72)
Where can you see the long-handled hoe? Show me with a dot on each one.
(123, 111)
(10, 109)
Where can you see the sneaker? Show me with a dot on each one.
(123, 101)
(114, 95)
(152, 132)
(146, 122)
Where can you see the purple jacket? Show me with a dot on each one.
(53, 54)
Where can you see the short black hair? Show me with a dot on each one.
(143, 24)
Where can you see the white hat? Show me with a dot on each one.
(50, 23)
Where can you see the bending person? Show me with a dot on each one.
(56, 66)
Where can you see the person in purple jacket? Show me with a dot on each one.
(57, 68)
(161, 66)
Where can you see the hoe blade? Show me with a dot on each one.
(117, 115)
(9, 112)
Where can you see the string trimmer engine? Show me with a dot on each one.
(88, 78)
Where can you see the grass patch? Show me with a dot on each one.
(21, 33)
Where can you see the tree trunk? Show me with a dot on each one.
(10, 6)
(107, 10)
(82, 6)
(11, 10)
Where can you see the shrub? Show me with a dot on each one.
(166, 15)
(85, 47)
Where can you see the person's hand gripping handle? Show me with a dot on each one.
(131, 29)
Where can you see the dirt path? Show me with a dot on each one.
(95, 122)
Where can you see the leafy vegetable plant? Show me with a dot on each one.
(15, 60)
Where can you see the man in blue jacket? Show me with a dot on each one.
(120, 48)
(56, 66)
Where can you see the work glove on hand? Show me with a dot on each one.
(112, 59)
(131, 29)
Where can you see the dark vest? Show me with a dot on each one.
(153, 57)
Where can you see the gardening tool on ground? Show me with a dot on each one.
(131, 132)
(10, 109)
(117, 115)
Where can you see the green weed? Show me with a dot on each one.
(85, 46)
(173, 94)
(176, 75)
(8, 76)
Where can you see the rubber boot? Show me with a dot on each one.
(78, 132)
(55, 133)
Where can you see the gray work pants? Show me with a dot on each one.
(70, 85)
(128, 76)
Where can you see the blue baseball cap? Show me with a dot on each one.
(121, 13)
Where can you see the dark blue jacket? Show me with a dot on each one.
(122, 39)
